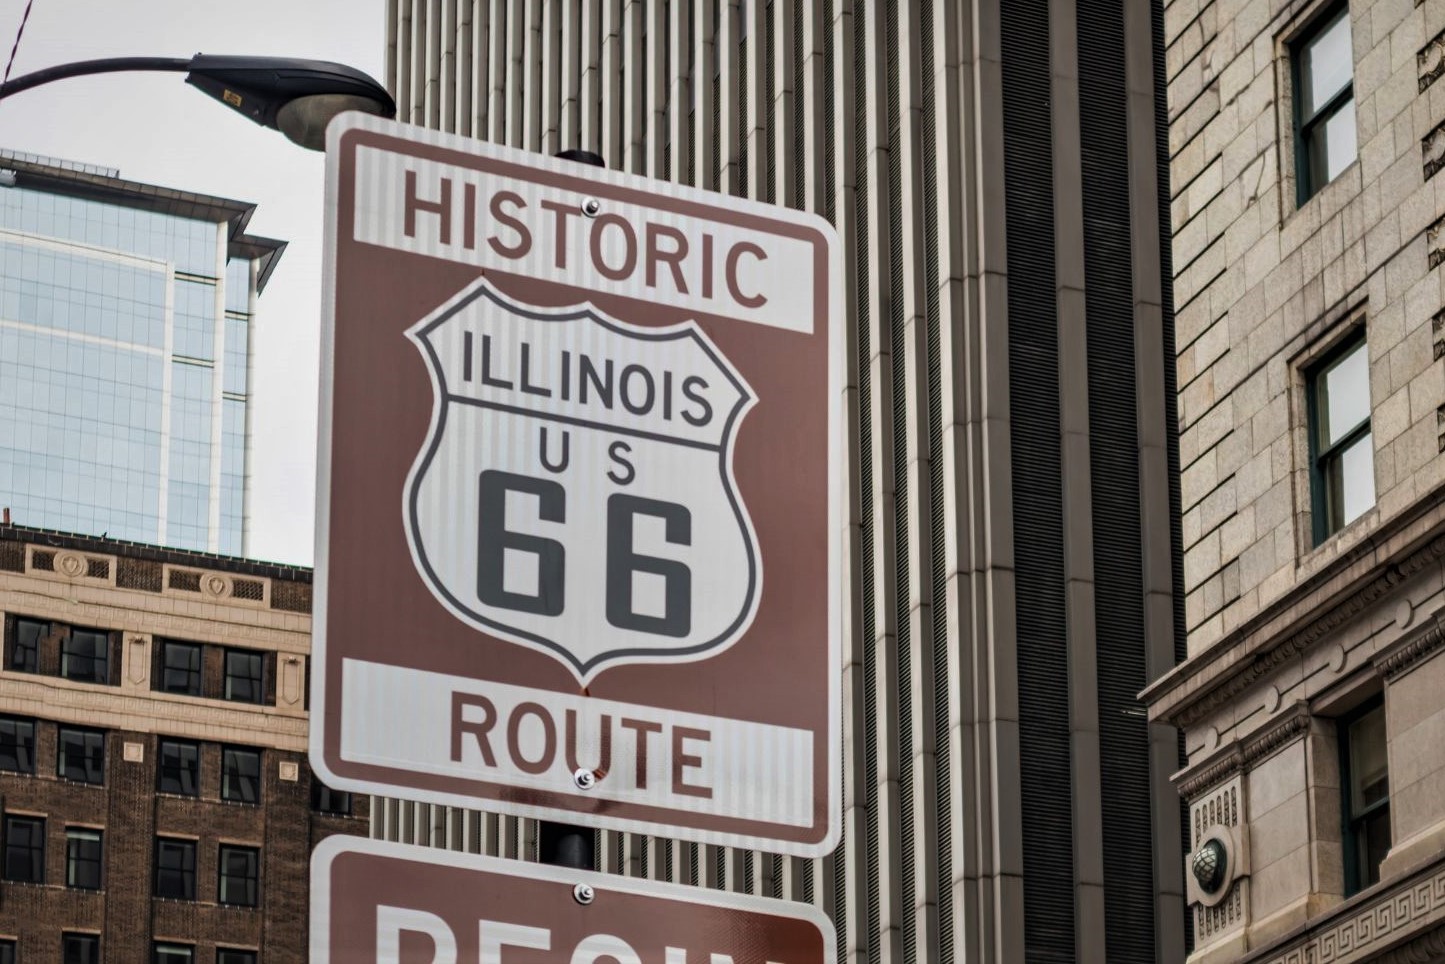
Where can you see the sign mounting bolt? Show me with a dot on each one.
(585, 779)
(583, 893)
(591, 207)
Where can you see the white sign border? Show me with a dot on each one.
(354, 120)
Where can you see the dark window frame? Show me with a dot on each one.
(336, 803)
(91, 737)
(234, 796)
(92, 941)
(250, 881)
(236, 955)
(17, 661)
(20, 749)
(1322, 459)
(1351, 823)
(186, 870)
(162, 769)
(258, 682)
(1304, 127)
(174, 953)
(194, 676)
(35, 848)
(8, 952)
(98, 659)
(72, 860)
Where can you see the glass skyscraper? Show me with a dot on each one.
(125, 355)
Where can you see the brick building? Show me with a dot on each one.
(1305, 139)
(157, 805)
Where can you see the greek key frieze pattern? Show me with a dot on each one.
(1365, 930)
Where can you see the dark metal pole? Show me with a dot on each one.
(561, 844)
(83, 68)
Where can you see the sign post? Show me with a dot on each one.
(580, 481)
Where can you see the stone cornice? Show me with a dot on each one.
(1325, 601)
(54, 539)
(1241, 754)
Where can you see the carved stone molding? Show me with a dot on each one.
(1402, 658)
(1361, 931)
(1241, 754)
(1435, 243)
(1432, 151)
(1266, 661)
(1430, 61)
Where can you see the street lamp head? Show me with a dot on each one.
(296, 97)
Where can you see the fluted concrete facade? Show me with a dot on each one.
(993, 170)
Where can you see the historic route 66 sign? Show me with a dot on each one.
(575, 492)
(580, 495)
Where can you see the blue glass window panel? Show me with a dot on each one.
(80, 434)
(234, 376)
(192, 245)
(238, 285)
(75, 291)
(195, 314)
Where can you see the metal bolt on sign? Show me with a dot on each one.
(584, 778)
(583, 893)
(591, 207)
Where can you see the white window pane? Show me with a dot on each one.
(1357, 472)
(1345, 396)
(1332, 145)
(1327, 63)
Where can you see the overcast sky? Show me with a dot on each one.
(155, 128)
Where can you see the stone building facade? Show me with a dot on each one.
(1305, 138)
(157, 805)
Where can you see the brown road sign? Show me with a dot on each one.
(579, 527)
(394, 904)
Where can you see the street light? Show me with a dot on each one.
(296, 97)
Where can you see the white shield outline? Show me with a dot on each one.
(584, 670)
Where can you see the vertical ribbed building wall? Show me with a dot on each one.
(997, 175)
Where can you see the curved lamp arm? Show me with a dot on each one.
(83, 68)
(296, 97)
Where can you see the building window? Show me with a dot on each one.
(25, 651)
(173, 954)
(240, 775)
(81, 755)
(181, 668)
(82, 858)
(243, 677)
(224, 955)
(84, 657)
(238, 883)
(179, 768)
(17, 745)
(1364, 768)
(1342, 453)
(1324, 95)
(80, 949)
(7, 952)
(176, 868)
(326, 800)
(25, 849)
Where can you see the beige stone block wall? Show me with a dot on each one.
(1279, 822)
(1262, 283)
(1415, 720)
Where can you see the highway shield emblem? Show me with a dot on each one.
(575, 492)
